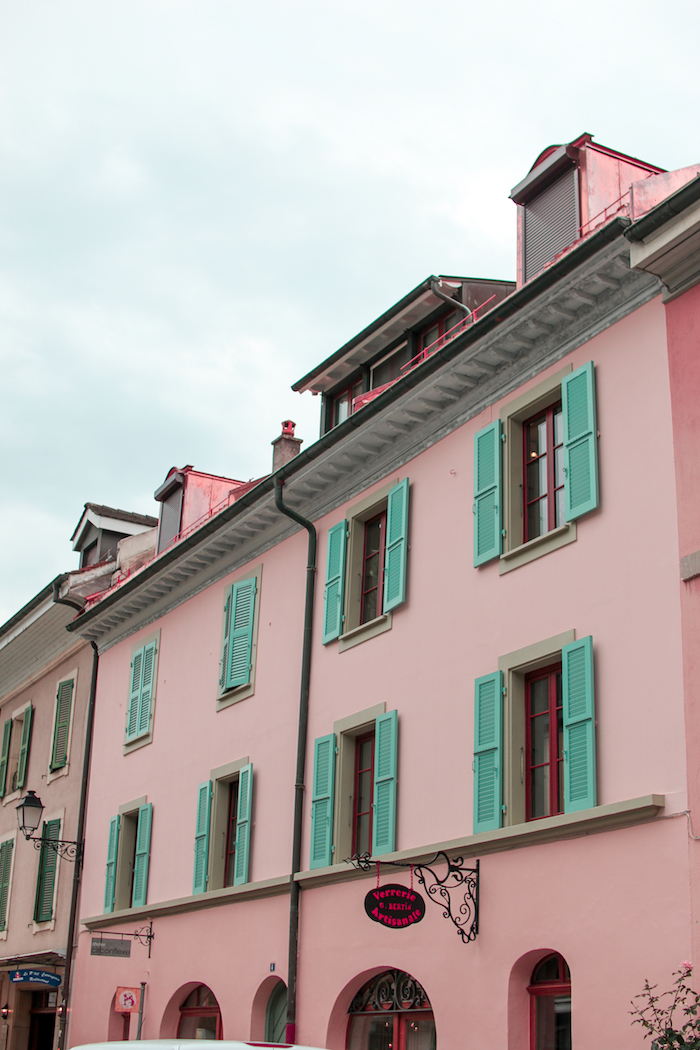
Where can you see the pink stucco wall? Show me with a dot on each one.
(616, 904)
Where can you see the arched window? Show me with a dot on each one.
(276, 1014)
(389, 1012)
(200, 1017)
(550, 1005)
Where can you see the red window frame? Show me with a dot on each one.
(202, 993)
(399, 1023)
(348, 394)
(555, 757)
(356, 812)
(230, 852)
(558, 987)
(379, 554)
(552, 488)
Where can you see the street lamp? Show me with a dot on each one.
(29, 817)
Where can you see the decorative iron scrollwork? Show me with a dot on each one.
(390, 992)
(144, 935)
(459, 881)
(67, 850)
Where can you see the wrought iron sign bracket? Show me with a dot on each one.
(65, 849)
(457, 892)
(144, 935)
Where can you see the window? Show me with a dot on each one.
(369, 551)
(14, 756)
(128, 856)
(391, 366)
(439, 328)
(518, 513)
(391, 1010)
(222, 828)
(170, 518)
(543, 472)
(46, 879)
(550, 223)
(142, 693)
(521, 770)
(550, 1005)
(341, 404)
(7, 847)
(353, 805)
(239, 641)
(200, 1016)
(60, 746)
(544, 747)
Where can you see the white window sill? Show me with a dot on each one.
(526, 552)
(364, 632)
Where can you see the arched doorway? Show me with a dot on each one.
(550, 1004)
(200, 1017)
(276, 1014)
(390, 1012)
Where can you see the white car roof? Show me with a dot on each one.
(189, 1044)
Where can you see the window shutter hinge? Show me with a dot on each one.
(504, 809)
(337, 751)
(503, 437)
(473, 508)
(504, 690)
(503, 532)
(332, 849)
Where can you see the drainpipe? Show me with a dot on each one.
(80, 838)
(291, 1028)
(435, 289)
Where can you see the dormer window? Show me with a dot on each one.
(100, 529)
(390, 367)
(169, 495)
(341, 406)
(439, 329)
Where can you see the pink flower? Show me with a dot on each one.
(687, 965)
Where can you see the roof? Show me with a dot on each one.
(415, 307)
(670, 207)
(94, 513)
(32, 604)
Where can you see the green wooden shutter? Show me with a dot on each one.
(579, 725)
(146, 694)
(487, 493)
(111, 870)
(201, 837)
(227, 633)
(384, 802)
(243, 818)
(132, 718)
(24, 746)
(322, 802)
(488, 748)
(43, 907)
(142, 855)
(580, 442)
(59, 752)
(335, 583)
(5, 871)
(396, 547)
(4, 754)
(240, 644)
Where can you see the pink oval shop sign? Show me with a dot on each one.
(394, 906)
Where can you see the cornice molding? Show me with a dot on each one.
(567, 314)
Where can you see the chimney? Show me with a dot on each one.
(286, 446)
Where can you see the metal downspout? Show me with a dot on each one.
(290, 1031)
(80, 838)
(435, 289)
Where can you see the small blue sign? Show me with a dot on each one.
(35, 977)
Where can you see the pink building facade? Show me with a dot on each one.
(500, 668)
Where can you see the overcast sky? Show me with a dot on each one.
(201, 199)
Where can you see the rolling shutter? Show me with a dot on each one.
(243, 818)
(240, 634)
(550, 223)
(59, 752)
(384, 804)
(43, 907)
(396, 546)
(579, 725)
(201, 838)
(111, 869)
(580, 442)
(142, 855)
(488, 747)
(487, 493)
(335, 583)
(24, 746)
(322, 802)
